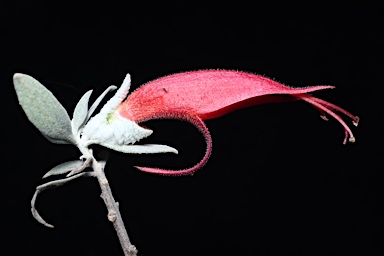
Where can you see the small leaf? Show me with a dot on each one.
(81, 168)
(43, 109)
(48, 185)
(80, 113)
(64, 168)
(36, 214)
(141, 149)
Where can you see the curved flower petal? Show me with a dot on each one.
(205, 94)
(204, 130)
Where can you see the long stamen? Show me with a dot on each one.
(355, 119)
(319, 105)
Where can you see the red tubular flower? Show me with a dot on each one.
(201, 95)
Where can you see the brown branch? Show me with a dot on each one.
(113, 209)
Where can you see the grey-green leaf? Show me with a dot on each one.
(43, 109)
(48, 185)
(64, 168)
(55, 141)
(80, 113)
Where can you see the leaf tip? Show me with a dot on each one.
(18, 76)
(18, 79)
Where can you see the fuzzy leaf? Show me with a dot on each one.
(55, 141)
(80, 112)
(64, 168)
(49, 185)
(43, 109)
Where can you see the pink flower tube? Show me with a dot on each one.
(201, 95)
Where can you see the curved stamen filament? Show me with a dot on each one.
(324, 105)
(355, 119)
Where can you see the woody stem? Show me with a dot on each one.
(113, 207)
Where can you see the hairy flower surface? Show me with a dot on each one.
(196, 96)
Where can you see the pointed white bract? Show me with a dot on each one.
(141, 149)
(106, 128)
(98, 100)
(80, 113)
(113, 130)
(120, 95)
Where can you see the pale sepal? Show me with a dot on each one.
(48, 185)
(112, 130)
(80, 113)
(119, 96)
(64, 168)
(141, 149)
(43, 109)
(97, 101)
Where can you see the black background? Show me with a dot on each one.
(279, 181)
